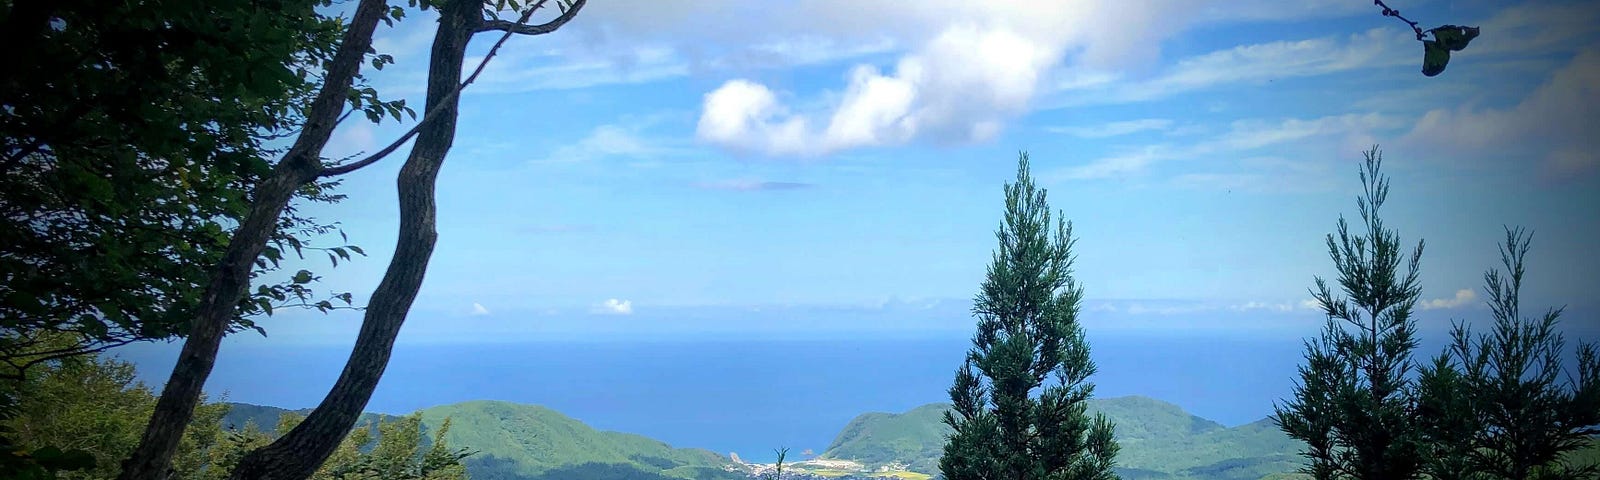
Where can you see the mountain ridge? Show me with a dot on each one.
(1159, 440)
(517, 441)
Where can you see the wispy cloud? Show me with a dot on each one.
(751, 185)
(1249, 65)
(626, 139)
(1555, 121)
(479, 310)
(1114, 129)
(1348, 132)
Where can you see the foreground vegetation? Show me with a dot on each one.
(86, 412)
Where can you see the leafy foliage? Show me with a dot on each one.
(78, 416)
(1353, 403)
(1028, 332)
(127, 153)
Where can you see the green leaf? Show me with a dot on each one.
(1453, 37)
(1434, 58)
(302, 277)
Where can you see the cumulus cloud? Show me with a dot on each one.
(1462, 298)
(970, 67)
(614, 306)
(1556, 120)
(479, 310)
(961, 87)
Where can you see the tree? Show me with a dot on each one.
(94, 406)
(227, 279)
(1446, 39)
(401, 451)
(127, 150)
(1353, 403)
(1513, 417)
(297, 454)
(1028, 338)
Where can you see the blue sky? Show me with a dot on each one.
(682, 168)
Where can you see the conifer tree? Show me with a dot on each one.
(1028, 339)
(1507, 411)
(1354, 404)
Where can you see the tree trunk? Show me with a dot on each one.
(230, 278)
(298, 454)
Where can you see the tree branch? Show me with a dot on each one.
(519, 27)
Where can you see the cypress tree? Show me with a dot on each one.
(1028, 339)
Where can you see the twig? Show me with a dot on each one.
(1390, 12)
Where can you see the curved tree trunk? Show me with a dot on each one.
(298, 454)
(230, 278)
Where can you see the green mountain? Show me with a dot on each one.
(527, 442)
(915, 438)
(1159, 441)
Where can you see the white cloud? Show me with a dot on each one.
(1116, 165)
(1311, 304)
(614, 306)
(625, 139)
(1265, 306)
(1556, 121)
(479, 310)
(747, 115)
(1540, 27)
(972, 68)
(1462, 298)
(961, 87)
(1113, 129)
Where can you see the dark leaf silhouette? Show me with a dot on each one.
(1446, 39)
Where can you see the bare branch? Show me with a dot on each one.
(432, 113)
(522, 28)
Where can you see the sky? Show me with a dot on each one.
(689, 168)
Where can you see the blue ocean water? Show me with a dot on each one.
(744, 396)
